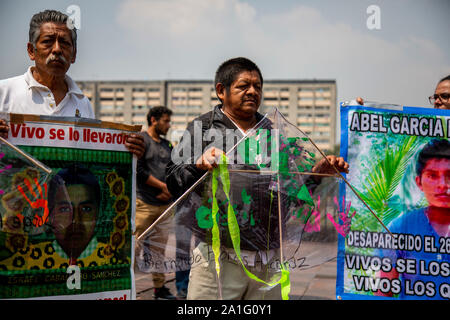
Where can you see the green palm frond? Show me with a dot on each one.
(384, 178)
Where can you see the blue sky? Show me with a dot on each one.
(289, 39)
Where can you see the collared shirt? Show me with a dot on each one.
(24, 95)
(88, 251)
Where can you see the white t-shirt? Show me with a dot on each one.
(23, 94)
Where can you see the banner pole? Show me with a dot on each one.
(37, 163)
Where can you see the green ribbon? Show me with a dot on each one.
(285, 282)
(215, 227)
(234, 231)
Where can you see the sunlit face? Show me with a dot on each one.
(243, 98)
(74, 217)
(54, 50)
(435, 182)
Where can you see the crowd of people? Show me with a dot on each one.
(46, 89)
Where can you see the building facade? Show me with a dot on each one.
(308, 104)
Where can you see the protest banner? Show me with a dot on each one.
(400, 165)
(67, 216)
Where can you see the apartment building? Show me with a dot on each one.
(308, 104)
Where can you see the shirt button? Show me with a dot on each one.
(51, 104)
(49, 95)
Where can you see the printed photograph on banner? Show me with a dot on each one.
(401, 168)
(67, 231)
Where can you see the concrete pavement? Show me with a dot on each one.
(317, 283)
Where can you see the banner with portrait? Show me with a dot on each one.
(67, 198)
(400, 166)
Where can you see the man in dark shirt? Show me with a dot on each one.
(152, 196)
(238, 85)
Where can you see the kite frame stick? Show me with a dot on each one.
(274, 172)
(234, 147)
(196, 183)
(37, 163)
(173, 205)
(279, 204)
(350, 186)
(342, 177)
(279, 219)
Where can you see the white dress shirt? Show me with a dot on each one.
(23, 94)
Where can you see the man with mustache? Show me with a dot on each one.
(46, 89)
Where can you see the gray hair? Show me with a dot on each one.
(48, 16)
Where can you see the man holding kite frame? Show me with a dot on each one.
(238, 85)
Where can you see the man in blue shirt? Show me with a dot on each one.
(431, 224)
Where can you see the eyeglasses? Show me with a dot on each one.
(443, 96)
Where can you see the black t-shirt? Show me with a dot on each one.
(154, 162)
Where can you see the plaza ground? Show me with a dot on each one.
(317, 283)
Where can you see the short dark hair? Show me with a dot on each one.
(435, 149)
(447, 78)
(228, 71)
(70, 175)
(157, 112)
(48, 16)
